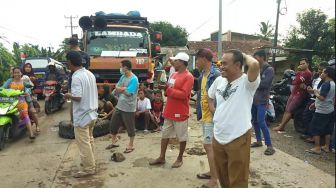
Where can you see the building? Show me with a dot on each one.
(233, 37)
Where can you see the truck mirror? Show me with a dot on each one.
(156, 48)
(157, 36)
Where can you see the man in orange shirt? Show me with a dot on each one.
(178, 92)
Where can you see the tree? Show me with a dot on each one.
(6, 60)
(171, 35)
(266, 30)
(314, 32)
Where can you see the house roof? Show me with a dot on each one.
(247, 47)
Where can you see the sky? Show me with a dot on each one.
(43, 22)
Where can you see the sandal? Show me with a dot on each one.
(203, 176)
(269, 151)
(38, 129)
(129, 150)
(157, 162)
(256, 144)
(313, 152)
(32, 137)
(112, 146)
(325, 149)
(177, 164)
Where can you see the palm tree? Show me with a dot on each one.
(266, 30)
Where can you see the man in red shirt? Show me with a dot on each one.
(299, 93)
(176, 112)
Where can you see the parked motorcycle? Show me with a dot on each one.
(280, 92)
(53, 96)
(12, 126)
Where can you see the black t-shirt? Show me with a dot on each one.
(196, 74)
(85, 59)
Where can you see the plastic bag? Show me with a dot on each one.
(163, 77)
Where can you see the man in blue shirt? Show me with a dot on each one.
(126, 90)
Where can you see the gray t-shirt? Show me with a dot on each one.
(125, 103)
(327, 90)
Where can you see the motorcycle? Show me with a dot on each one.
(53, 96)
(12, 126)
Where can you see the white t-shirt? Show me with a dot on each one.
(144, 104)
(171, 71)
(232, 117)
(84, 85)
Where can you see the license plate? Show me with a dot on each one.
(7, 99)
(39, 75)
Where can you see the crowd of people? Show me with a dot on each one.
(229, 104)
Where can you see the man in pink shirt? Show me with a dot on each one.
(299, 93)
(176, 112)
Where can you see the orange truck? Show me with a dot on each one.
(112, 38)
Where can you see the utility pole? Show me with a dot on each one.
(71, 25)
(219, 48)
(275, 41)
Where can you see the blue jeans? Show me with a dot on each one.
(259, 123)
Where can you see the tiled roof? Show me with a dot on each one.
(247, 47)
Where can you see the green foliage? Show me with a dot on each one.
(6, 61)
(266, 30)
(314, 32)
(171, 35)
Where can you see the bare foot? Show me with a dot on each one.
(157, 161)
(177, 164)
(278, 128)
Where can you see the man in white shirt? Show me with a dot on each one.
(85, 105)
(143, 109)
(233, 93)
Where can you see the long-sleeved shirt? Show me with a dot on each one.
(178, 96)
(266, 77)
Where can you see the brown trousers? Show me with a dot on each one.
(85, 142)
(232, 161)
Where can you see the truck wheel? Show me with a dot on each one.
(66, 130)
(2, 136)
(101, 128)
(47, 107)
(298, 120)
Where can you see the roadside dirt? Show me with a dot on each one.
(50, 162)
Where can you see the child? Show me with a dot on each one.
(143, 109)
(323, 120)
(157, 108)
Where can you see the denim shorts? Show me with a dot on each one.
(208, 132)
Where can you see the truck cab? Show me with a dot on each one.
(111, 38)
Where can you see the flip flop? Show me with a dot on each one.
(157, 162)
(269, 151)
(112, 146)
(313, 152)
(177, 164)
(203, 176)
(325, 150)
(128, 150)
(256, 144)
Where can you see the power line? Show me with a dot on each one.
(71, 25)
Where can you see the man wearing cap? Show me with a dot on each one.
(209, 73)
(176, 112)
(73, 44)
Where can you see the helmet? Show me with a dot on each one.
(51, 64)
(289, 73)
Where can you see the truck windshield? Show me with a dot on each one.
(118, 40)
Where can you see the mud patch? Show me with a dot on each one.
(195, 151)
(88, 183)
(256, 181)
(142, 162)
